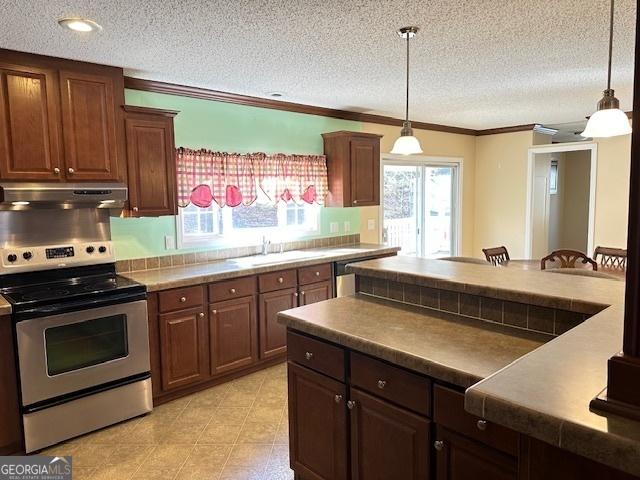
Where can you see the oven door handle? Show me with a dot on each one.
(78, 305)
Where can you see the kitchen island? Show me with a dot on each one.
(530, 348)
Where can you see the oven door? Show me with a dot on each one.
(70, 352)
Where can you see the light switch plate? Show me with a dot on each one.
(333, 227)
(347, 226)
(169, 242)
(371, 224)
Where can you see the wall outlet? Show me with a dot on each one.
(347, 226)
(333, 227)
(169, 242)
(371, 224)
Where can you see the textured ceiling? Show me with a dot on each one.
(475, 63)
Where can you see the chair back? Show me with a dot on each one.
(496, 255)
(613, 258)
(567, 259)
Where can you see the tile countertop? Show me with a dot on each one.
(174, 277)
(443, 346)
(546, 393)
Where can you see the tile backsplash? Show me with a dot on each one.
(191, 258)
(536, 318)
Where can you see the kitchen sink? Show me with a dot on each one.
(273, 258)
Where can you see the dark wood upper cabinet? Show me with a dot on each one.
(184, 347)
(30, 141)
(273, 336)
(353, 164)
(317, 425)
(151, 162)
(316, 292)
(234, 334)
(90, 121)
(460, 458)
(387, 441)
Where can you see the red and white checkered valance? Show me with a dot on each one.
(232, 179)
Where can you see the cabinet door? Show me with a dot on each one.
(30, 141)
(151, 166)
(11, 419)
(317, 425)
(273, 336)
(365, 172)
(184, 341)
(234, 334)
(459, 458)
(316, 292)
(387, 441)
(90, 117)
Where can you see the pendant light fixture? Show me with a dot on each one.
(407, 144)
(608, 120)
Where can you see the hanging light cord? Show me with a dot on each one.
(610, 45)
(407, 105)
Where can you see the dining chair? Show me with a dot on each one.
(613, 258)
(567, 259)
(496, 255)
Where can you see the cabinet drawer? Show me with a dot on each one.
(392, 383)
(268, 282)
(313, 274)
(448, 410)
(180, 298)
(316, 355)
(229, 289)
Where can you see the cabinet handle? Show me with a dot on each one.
(482, 425)
(183, 299)
(338, 398)
(71, 170)
(215, 312)
(56, 171)
(355, 202)
(308, 355)
(280, 280)
(438, 445)
(232, 290)
(381, 384)
(351, 404)
(201, 315)
(302, 293)
(295, 294)
(317, 274)
(135, 209)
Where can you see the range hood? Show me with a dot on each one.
(27, 196)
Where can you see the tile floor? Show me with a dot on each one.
(237, 430)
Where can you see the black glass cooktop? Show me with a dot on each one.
(81, 286)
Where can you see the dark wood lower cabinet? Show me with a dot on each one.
(234, 334)
(273, 336)
(184, 341)
(387, 441)
(459, 458)
(316, 292)
(317, 425)
(10, 421)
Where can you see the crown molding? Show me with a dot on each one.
(219, 96)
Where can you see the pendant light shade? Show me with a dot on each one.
(407, 144)
(608, 120)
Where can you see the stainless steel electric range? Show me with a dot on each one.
(81, 330)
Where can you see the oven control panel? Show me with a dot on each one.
(46, 257)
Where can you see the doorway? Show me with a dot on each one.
(420, 205)
(561, 198)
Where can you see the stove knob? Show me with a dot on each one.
(27, 255)
(90, 249)
(102, 249)
(12, 257)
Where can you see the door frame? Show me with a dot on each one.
(559, 148)
(427, 160)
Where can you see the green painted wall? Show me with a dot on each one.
(231, 128)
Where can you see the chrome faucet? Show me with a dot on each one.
(265, 245)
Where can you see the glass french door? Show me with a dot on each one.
(419, 208)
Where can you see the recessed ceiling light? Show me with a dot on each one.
(275, 94)
(76, 24)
